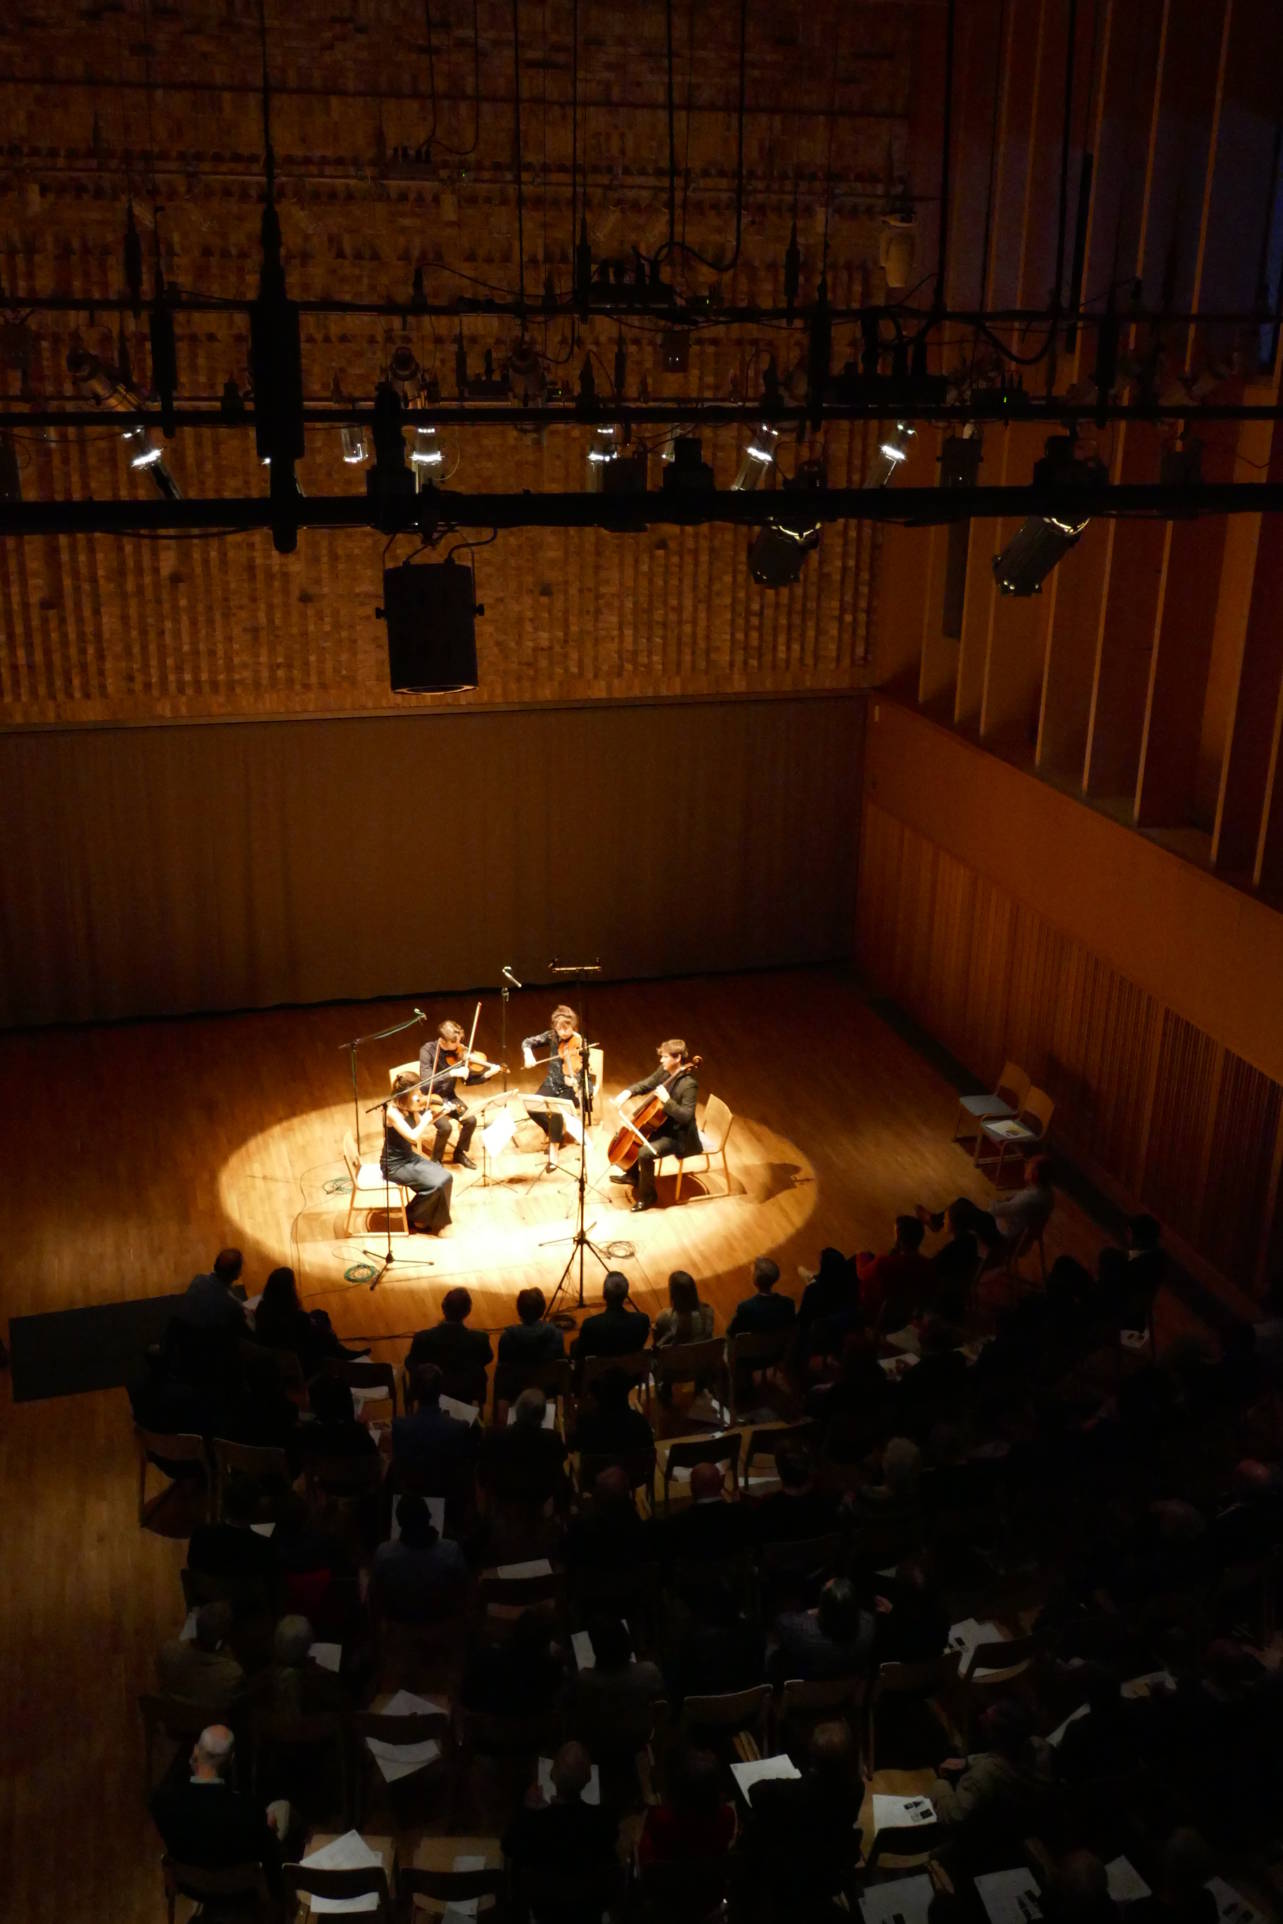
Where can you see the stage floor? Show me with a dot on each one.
(134, 1151)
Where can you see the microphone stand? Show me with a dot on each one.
(580, 1241)
(376, 1035)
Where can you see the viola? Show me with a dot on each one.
(463, 1061)
(571, 1051)
(646, 1120)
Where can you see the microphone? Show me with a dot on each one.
(508, 976)
(419, 1013)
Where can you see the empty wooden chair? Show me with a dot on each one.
(370, 1880)
(635, 1366)
(241, 1887)
(361, 1373)
(431, 1888)
(1004, 1100)
(768, 1439)
(752, 1354)
(426, 1727)
(910, 1845)
(263, 1462)
(702, 1363)
(161, 1448)
(1019, 1134)
(933, 1682)
(740, 1715)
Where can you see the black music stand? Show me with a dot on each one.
(580, 1241)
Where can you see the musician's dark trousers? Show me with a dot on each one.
(467, 1129)
(643, 1171)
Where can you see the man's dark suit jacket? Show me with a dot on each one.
(612, 1332)
(212, 1826)
(453, 1347)
(679, 1110)
(225, 1550)
(762, 1314)
(802, 1836)
(435, 1446)
(704, 1532)
(522, 1464)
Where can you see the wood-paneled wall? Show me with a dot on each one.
(1156, 1108)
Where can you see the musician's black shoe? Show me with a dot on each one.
(464, 1161)
(622, 1175)
(643, 1202)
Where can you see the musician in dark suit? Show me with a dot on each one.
(445, 1071)
(677, 1086)
(559, 1078)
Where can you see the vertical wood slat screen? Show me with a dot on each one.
(990, 978)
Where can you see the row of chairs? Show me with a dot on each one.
(1014, 1117)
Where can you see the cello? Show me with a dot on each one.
(646, 1120)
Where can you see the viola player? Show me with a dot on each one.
(446, 1070)
(677, 1086)
(562, 1073)
(407, 1119)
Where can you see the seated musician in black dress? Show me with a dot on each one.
(676, 1086)
(407, 1118)
(445, 1068)
(563, 1073)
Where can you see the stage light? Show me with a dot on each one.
(142, 450)
(1044, 539)
(893, 451)
(354, 448)
(602, 450)
(758, 457)
(777, 554)
(425, 449)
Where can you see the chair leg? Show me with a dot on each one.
(677, 1193)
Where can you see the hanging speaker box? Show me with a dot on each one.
(431, 615)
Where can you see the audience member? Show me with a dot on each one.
(831, 1290)
(912, 1624)
(201, 1669)
(418, 1576)
(709, 1527)
(432, 1451)
(205, 1823)
(215, 1300)
(716, 1648)
(610, 1426)
(763, 1313)
(694, 1821)
(335, 1434)
(233, 1548)
(523, 1676)
(281, 1322)
(1003, 1788)
(607, 1533)
(616, 1330)
(1181, 1895)
(833, 1640)
(799, 1508)
(525, 1461)
(893, 1287)
(456, 1350)
(613, 1697)
(686, 1320)
(526, 1344)
(567, 1836)
(802, 1840)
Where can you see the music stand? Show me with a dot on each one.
(565, 1107)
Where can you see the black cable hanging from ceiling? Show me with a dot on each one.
(726, 267)
(462, 153)
(521, 191)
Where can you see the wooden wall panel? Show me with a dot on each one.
(1146, 1100)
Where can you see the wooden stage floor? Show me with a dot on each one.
(134, 1151)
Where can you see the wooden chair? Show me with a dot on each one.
(363, 1374)
(635, 1366)
(239, 1883)
(933, 1682)
(714, 1133)
(685, 1452)
(805, 1702)
(800, 1556)
(554, 1379)
(741, 1715)
(767, 1439)
(261, 1461)
(289, 1370)
(418, 1727)
(285, 1733)
(371, 1190)
(370, 1881)
(504, 1598)
(181, 1447)
(703, 1362)
(1018, 1248)
(910, 1844)
(432, 1889)
(751, 1354)
(638, 1468)
(993, 1669)
(1005, 1100)
(343, 1479)
(1017, 1134)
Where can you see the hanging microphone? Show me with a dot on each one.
(420, 1014)
(508, 976)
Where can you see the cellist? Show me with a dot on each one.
(677, 1087)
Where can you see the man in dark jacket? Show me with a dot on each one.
(205, 1822)
(617, 1330)
(456, 1350)
(677, 1086)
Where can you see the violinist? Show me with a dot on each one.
(566, 1074)
(676, 1085)
(407, 1119)
(446, 1066)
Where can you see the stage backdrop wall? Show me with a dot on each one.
(161, 870)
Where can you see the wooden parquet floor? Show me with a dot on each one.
(133, 1152)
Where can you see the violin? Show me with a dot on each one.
(571, 1051)
(646, 1121)
(463, 1061)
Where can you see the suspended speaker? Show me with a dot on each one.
(431, 614)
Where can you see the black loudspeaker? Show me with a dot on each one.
(431, 614)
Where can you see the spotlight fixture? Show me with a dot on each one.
(525, 373)
(758, 457)
(777, 553)
(354, 448)
(602, 450)
(893, 451)
(142, 450)
(1042, 540)
(425, 449)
